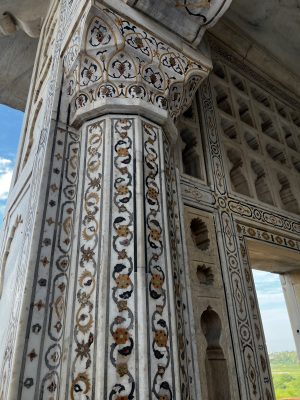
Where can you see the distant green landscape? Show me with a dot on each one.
(286, 374)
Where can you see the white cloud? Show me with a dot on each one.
(278, 331)
(267, 283)
(6, 172)
(264, 277)
(4, 162)
(270, 300)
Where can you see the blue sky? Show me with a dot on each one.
(269, 292)
(277, 327)
(10, 128)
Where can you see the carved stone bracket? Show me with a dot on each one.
(113, 62)
(188, 18)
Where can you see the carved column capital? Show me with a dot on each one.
(113, 64)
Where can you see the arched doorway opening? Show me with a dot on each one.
(276, 273)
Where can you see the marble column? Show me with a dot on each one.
(291, 288)
(126, 88)
(107, 317)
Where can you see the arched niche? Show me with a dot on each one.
(200, 234)
(190, 155)
(237, 177)
(261, 183)
(267, 125)
(288, 200)
(215, 361)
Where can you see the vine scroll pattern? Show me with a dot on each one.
(84, 326)
(121, 302)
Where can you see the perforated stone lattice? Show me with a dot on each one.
(260, 138)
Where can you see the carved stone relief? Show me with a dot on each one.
(208, 298)
(120, 60)
(243, 151)
(259, 136)
(37, 92)
(190, 150)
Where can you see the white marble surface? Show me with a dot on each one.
(187, 18)
(275, 25)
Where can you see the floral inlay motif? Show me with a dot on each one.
(162, 384)
(121, 60)
(84, 327)
(122, 341)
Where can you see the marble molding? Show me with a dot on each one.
(198, 15)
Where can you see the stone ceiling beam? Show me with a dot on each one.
(189, 19)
